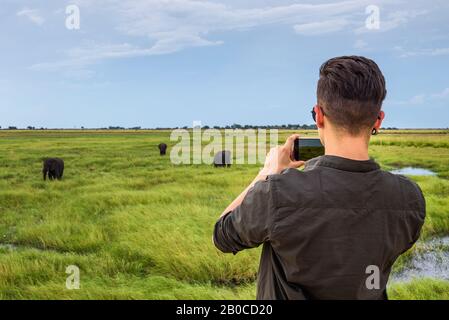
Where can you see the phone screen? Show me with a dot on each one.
(306, 149)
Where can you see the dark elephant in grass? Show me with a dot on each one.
(222, 159)
(162, 149)
(54, 167)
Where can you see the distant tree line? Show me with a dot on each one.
(16, 128)
(247, 126)
(234, 126)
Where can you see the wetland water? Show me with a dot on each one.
(413, 171)
(430, 261)
(432, 257)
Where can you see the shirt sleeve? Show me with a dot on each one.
(414, 217)
(250, 224)
(421, 212)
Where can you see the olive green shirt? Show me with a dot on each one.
(321, 228)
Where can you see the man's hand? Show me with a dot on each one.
(281, 157)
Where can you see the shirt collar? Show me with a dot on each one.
(342, 164)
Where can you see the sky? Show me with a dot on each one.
(167, 63)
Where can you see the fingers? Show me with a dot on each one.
(290, 140)
(297, 164)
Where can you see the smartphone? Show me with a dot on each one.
(306, 149)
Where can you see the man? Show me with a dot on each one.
(333, 230)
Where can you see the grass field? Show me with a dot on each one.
(139, 227)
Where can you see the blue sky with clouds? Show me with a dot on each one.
(163, 63)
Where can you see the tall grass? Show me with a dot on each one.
(140, 227)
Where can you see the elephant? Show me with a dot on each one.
(54, 167)
(222, 159)
(162, 149)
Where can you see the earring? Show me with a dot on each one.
(374, 131)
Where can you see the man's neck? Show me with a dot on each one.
(355, 148)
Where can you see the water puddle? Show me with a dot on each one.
(432, 261)
(8, 247)
(413, 171)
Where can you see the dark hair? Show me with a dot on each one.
(351, 90)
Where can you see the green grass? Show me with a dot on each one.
(140, 228)
(422, 289)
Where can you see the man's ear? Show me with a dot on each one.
(319, 117)
(379, 120)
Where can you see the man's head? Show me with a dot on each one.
(350, 93)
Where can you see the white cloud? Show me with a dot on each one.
(418, 99)
(393, 20)
(317, 28)
(360, 44)
(441, 95)
(425, 52)
(91, 52)
(170, 26)
(422, 98)
(415, 100)
(33, 15)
